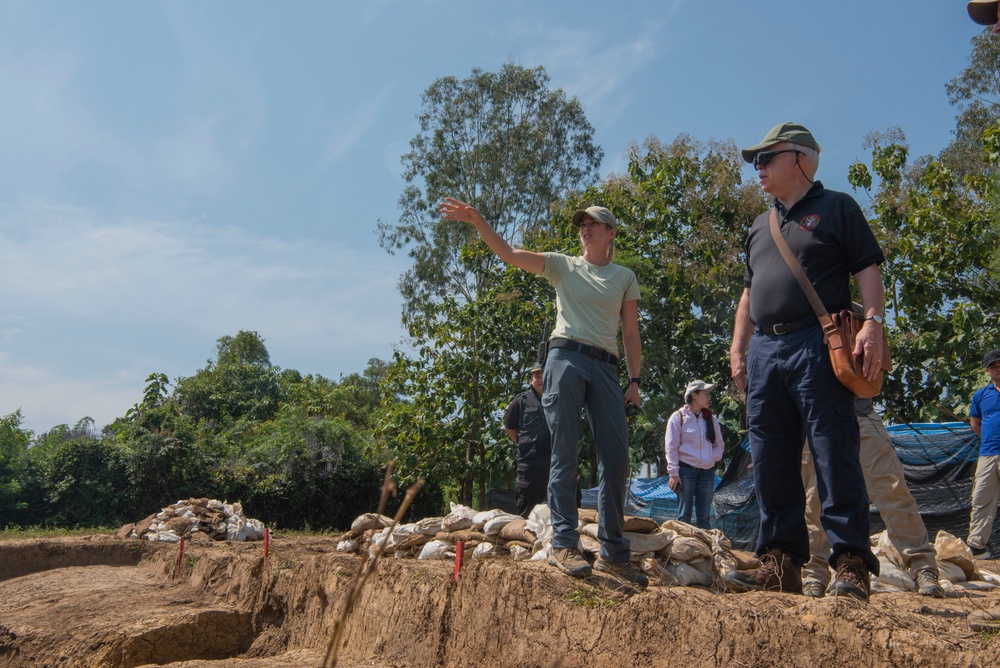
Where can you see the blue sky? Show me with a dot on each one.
(173, 172)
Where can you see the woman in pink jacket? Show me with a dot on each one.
(694, 445)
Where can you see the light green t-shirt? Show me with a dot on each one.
(589, 299)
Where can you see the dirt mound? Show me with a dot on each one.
(105, 602)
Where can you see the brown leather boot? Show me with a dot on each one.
(777, 572)
(852, 577)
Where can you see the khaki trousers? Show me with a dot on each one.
(985, 496)
(884, 479)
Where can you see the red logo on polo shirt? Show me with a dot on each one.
(809, 223)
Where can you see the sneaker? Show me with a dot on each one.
(777, 572)
(852, 578)
(981, 552)
(984, 620)
(623, 570)
(814, 589)
(928, 585)
(569, 561)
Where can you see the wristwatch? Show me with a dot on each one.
(877, 318)
(634, 380)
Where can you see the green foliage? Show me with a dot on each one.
(938, 236)
(976, 92)
(510, 146)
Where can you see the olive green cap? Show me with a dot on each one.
(983, 12)
(782, 132)
(598, 213)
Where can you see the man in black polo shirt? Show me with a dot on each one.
(525, 424)
(779, 357)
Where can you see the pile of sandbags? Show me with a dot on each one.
(204, 519)
(957, 568)
(673, 553)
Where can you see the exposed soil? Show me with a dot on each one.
(98, 601)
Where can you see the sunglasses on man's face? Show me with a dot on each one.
(761, 159)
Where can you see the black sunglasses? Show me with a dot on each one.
(761, 159)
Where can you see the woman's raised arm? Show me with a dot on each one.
(453, 209)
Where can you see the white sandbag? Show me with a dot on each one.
(460, 517)
(688, 530)
(437, 549)
(347, 545)
(687, 575)
(638, 542)
(989, 576)
(589, 545)
(723, 559)
(976, 585)
(949, 548)
(370, 521)
(430, 526)
(379, 541)
(521, 553)
(540, 523)
(894, 576)
(656, 568)
(480, 519)
(540, 555)
(686, 548)
(495, 525)
(167, 536)
(951, 572)
(484, 551)
(214, 504)
(234, 526)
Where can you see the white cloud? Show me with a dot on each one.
(89, 303)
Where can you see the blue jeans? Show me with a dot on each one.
(697, 487)
(574, 381)
(791, 391)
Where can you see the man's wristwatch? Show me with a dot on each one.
(876, 318)
(634, 380)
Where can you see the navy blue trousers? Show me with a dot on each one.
(792, 392)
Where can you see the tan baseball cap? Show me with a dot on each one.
(598, 213)
(696, 386)
(782, 132)
(983, 12)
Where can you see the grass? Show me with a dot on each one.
(21, 533)
(589, 597)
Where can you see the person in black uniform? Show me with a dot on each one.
(526, 426)
(778, 355)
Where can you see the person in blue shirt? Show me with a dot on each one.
(985, 419)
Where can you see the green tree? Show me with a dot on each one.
(14, 441)
(937, 232)
(976, 92)
(511, 146)
(240, 384)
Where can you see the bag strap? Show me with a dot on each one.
(830, 328)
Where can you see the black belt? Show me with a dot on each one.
(788, 327)
(593, 351)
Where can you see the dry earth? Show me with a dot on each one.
(97, 601)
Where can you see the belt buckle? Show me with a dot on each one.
(776, 331)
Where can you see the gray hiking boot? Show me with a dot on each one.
(623, 570)
(569, 561)
(813, 589)
(852, 578)
(928, 585)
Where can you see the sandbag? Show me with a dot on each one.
(369, 521)
(589, 545)
(347, 545)
(587, 516)
(638, 542)
(641, 524)
(892, 575)
(465, 535)
(480, 519)
(950, 571)
(954, 550)
(687, 575)
(656, 569)
(686, 548)
(495, 525)
(430, 526)
(437, 549)
(885, 548)
(460, 517)
(517, 530)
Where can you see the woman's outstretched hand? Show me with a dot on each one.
(454, 209)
